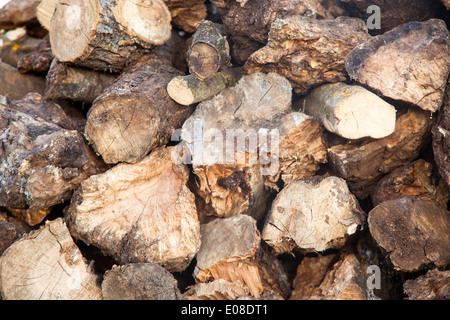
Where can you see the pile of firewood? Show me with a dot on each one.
(224, 149)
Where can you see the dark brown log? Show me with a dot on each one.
(140, 212)
(414, 232)
(307, 51)
(16, 13)
(76, 84)
(232, 250)
(118, 31)
(15, 85)
(175, 50)
(11, 229)
(43, 157)
(209, 51)
(363, 163)
(36, 62)
(47, 265)
(434, 285)
(139, 281)
(410, 63)
(414, 179)
(135, 114)
(312, 214)
(187, 14)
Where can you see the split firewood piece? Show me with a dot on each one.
(11, 229)
(47, 265)
(392, 13)
(187, 90)
(415, 63)
(209, 51)
(219, 289)
(44, 12)
(232, 250)
(414, 179)
(139, 281)
(16, 13)
(434, 285)
(441, 138)
(414, 232)
(135, 114)
(140, 212)
(246, 138)
(76, 84)
(187, 14)
(106, 35)
(312, 214)
(307, 51)
(363, 163)
(16, 85)
(44, 157)
(351, 112)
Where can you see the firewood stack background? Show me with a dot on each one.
(224, 149)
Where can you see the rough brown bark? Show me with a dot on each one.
(139, 281)
(312, 214)
(76, 84)
(135, 114)
(43, 156)
(187, 14)
(140, 212)
(47, 265)
(307, 51)
(232, 250)
(414, 232)
(36, 62)
(15, 85)
(434, 285)
(410, 63)
(118, 31)
(363, 163)
(11, 229)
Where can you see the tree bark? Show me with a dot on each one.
(118, 32)
(135, 114)
(434, 285)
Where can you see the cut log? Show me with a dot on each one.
(307, 51)
(12, 50)
(351, 112)
(209, 51)
(247, 137)
(363, 163)
(11, 229)
(36, 62)
(135, 114)
(76, 84)
(392, 13)
(312, 215)
(216, 290)
(42, 158)
(16, 85)
(410, 63)
(16, 13)
(414, 232)
(187, 90)
(434, 285)
(187, 14)
(44, 12)
(232, 250)
(139, 212)
(47, 265)
(139, 281)
(414, 179)
(117, 31)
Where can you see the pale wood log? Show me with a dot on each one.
(350, 111)
(139, 281)
(312, 215)
(44, 12)
(47, 265)
(140, 212)
(410, 63)
(219, 289)
(232, 250)
(414, 232)
(307, 51)
(187, 14)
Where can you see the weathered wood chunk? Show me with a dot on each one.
(11, 229)
(140, 212)
(186, 14)
(415, 233)
(410, 63)
(139, 281)
(16, 13)
(16, 85)
(217, 290)
(434, 285)
(47, 265)
(312, 214)
(307, 51)
(232, 250)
